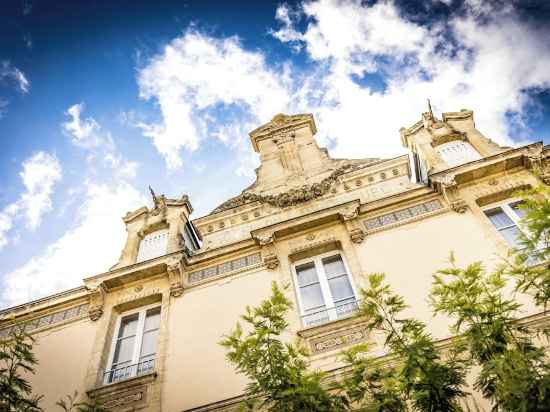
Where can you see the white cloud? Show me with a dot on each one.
(39, 175)
(197, 76)
(9, 71)
(490, 68)
(89, 247)
(83, 132)
(88, 133)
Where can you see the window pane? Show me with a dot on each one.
(312, 297)
(511, 235)
(124, 350)
(340, 288)
(128, 326)
(149, 344)
(152, 319)
(499, 218)
(306, 274)
(516, 208)
(334, 266)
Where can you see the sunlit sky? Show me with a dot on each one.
(99, 99)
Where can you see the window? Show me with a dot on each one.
(153, 245)
(505, 219)
(457, 152)
(134, 345)
(324, 289)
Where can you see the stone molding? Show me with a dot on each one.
(227, 268)
(47, 320)
(435, 208)
(129, 394)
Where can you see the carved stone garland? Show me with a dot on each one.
(293, 196)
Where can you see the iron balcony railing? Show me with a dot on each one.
(329, 314)
(128, 371)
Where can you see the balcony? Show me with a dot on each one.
(128, 371)
(326, 315)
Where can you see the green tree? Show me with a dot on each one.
(70, 404)
(529, 263)
(422, 376)
(514, 374)
(278, 372)
(17, 360)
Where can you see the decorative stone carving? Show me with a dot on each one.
(271, 261)
(294, 196)
(355, 229)
(269, 255)
(97, 300)
(447, 186)
(347, 336)
(175, 278)
(536, 161)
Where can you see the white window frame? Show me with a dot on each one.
(505, 206)
(330, 308)
(142, 311)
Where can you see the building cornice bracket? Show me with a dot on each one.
(97, 301)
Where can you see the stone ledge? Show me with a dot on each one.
(130, 393)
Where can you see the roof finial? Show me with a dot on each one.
(153, 195)
(430, 109)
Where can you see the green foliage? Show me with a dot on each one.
(514, 372)
(16, 361)
(420, 375)
(278, 372)
(371, 386)
(531, 277)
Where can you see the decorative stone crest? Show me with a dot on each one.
(332, 341)
(97, 300)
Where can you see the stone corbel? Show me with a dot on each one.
(269, 254)
(536, 161)
(97, 300)
(175, 277)
(448, 187)
(350, 218)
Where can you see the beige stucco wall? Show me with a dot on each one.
(63, 353)
(197, 372)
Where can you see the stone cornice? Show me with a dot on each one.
(47, 302)
(499, 162)
(304, 222)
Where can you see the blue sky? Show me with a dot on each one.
(100, 99)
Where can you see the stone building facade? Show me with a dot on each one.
(144, 335)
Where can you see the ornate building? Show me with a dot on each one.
(144, 335)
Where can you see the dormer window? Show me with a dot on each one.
(457, 152)
(153, 245)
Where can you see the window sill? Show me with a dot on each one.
(126, 392)
(335, 334)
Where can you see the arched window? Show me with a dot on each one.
(457, 152)
(153, 245)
